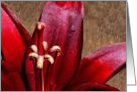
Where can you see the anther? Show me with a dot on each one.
(40, 62)
(56, 49)
(33, 54)
(49, 58)
(34, 48)
(45, 45)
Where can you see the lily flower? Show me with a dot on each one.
(51, 59)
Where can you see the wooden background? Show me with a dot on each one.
(104, 24)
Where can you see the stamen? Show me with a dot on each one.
(41, 58)
(50, 58)
(56, 49)
(45, 45)
(33, 54)
(40, 62)
(34, 48)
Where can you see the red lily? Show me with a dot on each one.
(53, 59)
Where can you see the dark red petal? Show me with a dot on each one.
(63, 20)
(93, 87)
(14, 38)
(14, 41)
(101, 65)
(11, 79)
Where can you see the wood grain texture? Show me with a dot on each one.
(104, 24)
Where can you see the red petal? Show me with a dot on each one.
(63, 20)
(11, 79)
(93, 87)
(14, 40)
(101, 65)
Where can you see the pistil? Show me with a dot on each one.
(38, 52)
(41, 58)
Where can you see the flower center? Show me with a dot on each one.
(41, 58)
(42, 53)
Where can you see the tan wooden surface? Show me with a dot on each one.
(104, 24)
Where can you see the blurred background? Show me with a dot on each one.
(104, 24)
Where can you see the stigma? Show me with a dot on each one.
(41, 58)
